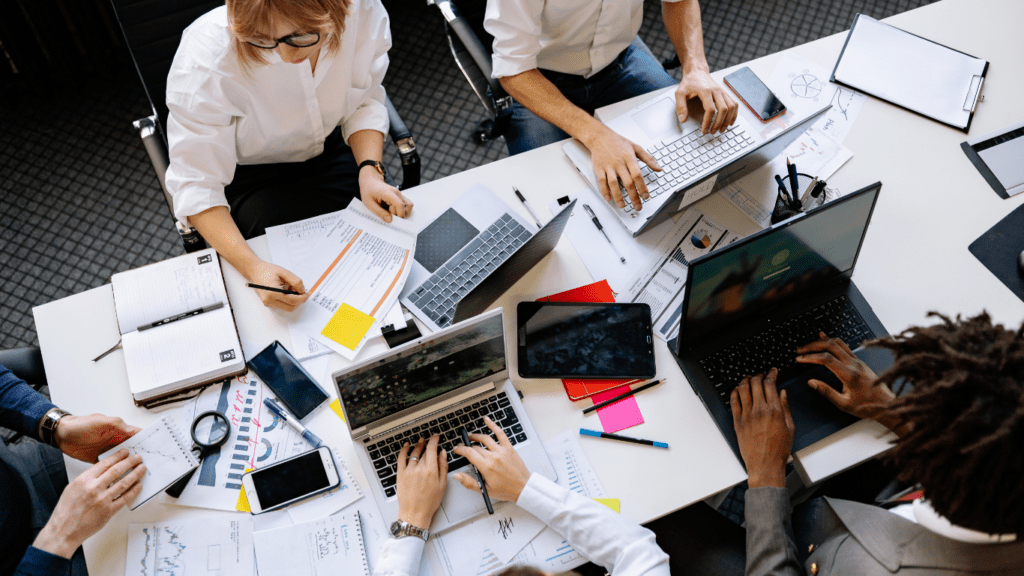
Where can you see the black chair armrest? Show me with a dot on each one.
(464, 31)
(26, 363)
(402, 138)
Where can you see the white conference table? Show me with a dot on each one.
(915, 259)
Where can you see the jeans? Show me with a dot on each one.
(632, 73)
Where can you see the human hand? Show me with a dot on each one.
(374, 190)
(501, 466)
(699, 84)
(275, 276)
(90, 501)
(421, 482)
(862, 396)
(86, 437)
(764, 429)
(615, 160)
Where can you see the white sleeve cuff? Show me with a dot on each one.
(400, 557)
(542, 498)
(502, 66)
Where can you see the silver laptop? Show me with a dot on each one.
(471, 254)
(688, 158)
(436, 385)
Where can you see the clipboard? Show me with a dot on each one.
(914, 73)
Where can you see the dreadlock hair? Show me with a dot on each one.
(966, 415)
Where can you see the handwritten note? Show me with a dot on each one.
(331, 546)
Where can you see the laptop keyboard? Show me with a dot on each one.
(688, 157)
(776, 346)
(438, 295)
(498, 407)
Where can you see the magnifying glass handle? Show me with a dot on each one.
(175, 490)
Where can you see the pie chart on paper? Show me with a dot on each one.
(701, 240)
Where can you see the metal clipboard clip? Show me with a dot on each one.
(973, 93)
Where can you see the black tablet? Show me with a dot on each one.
(584, 340)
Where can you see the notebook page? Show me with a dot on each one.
(175, 355)
(163, 289)
(332, 546)
(909, 71)
(164, 451)
(203, 546)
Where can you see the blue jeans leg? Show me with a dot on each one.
(637, 73)
(527, 131)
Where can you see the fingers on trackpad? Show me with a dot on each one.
(459, 502)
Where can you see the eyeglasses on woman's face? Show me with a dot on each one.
(300, 40)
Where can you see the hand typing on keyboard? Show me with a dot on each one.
(422, 479)
(718, 109)
(615, 161)
(501, 466)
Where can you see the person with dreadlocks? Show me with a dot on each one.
(960, 428)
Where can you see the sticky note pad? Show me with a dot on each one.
(612, 503)
(336, 406)
(348, 326)
(618, 416)
(243, 500)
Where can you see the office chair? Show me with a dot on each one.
(27, 364)
(152, 31)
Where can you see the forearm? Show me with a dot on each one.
(682, 21)
(21, 407)
(540, 96)
(220, 231)
(367, 145)
(771, 546)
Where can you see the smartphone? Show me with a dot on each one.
(290, 480)
(755, 94)
(288, 380)
(584, 340)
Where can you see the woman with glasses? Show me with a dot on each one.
(276, 115)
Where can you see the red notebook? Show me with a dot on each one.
(577, 388)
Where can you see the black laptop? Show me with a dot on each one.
(750, 305)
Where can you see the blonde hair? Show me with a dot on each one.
(252, 18)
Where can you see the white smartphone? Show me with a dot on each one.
(290, 480)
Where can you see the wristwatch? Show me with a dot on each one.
(48, 426)
(401, 529)
(378, 165)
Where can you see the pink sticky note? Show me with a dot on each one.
(618, 416)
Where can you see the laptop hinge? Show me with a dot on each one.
(427, 413)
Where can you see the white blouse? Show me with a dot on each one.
(222, 114)
(570, 36)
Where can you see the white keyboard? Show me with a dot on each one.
(687, 158)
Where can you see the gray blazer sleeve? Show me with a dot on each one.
(771, 546)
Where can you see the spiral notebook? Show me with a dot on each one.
(329, 546)
(166, 452)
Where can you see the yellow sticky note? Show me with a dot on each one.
(348, 326)
(612, 503)
(336, 406)
(243, 501)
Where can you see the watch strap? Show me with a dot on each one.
(48, 426)
(378, 165)
(401, 529)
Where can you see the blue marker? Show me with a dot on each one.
(596, 434)
(280, 413)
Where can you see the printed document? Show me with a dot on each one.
(805, 87)
(222, 546)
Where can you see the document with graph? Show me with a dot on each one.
(166, 452)
(221, 546)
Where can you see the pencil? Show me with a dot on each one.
(272, 289)
(595, 434)
(623, 395)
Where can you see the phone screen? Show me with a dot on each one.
(288, 380)
(290, 479)
(755, 94)
(559, 340)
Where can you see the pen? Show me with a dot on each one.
(525, 203)
(621, 396)
(182, 316)
(782, 189)
(479, 477)
(818, 189)
(291, 421)
(596, 434)
(272, 289)
(794, 180)
(601, 228)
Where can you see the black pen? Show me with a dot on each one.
(597, 223)
(272, 289)
(621, 396)
(479, 477)
(794, 179)
(782, 189)
(181, 316)
(523, 200)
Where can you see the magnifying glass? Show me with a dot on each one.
(210, 430)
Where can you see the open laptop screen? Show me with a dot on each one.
(768, 268)
(398, 382)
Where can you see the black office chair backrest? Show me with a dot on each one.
(152, 30)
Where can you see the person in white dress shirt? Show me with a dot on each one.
(276, 115)
(562, 59)
(623, 547)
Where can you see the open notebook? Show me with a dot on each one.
(186, 353)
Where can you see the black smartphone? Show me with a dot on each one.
(288, 380)
(290, 480)
(584, 340)
(755, 94)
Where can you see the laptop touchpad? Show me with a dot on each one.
(815, 417)
(459, 502)
(442, 238)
